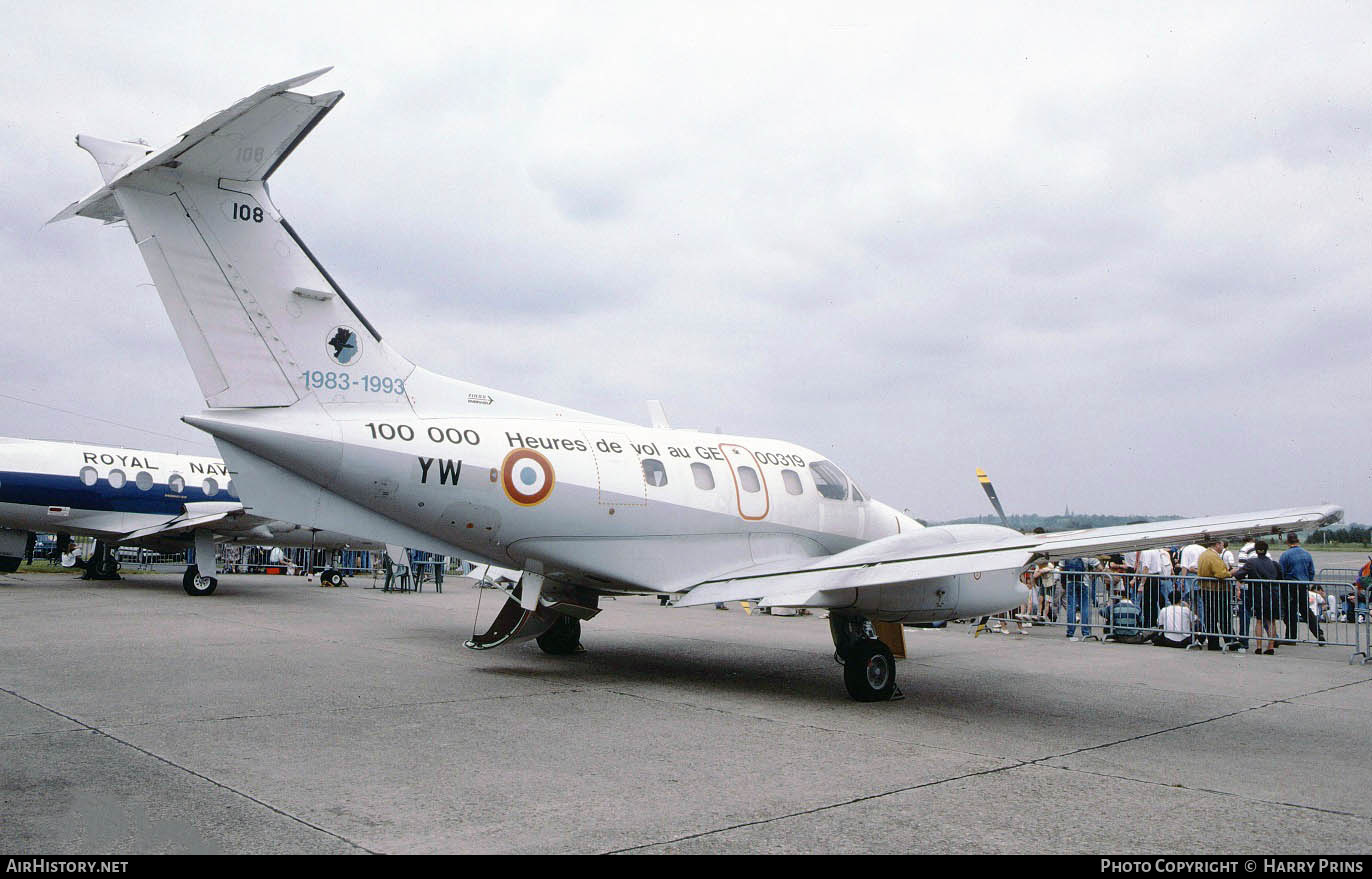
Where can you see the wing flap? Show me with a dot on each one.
(179, 525)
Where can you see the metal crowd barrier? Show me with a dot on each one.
(286, 568)
(1227, 614)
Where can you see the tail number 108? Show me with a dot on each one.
(247, 213)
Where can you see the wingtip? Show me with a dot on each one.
(65, 214)
(297, 81)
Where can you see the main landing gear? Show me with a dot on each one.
(562, 638)
(196, 584)
(869, 669)
(193, 581)
(102, 565)
(552, 614)
(331, 577)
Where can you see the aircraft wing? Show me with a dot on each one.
(188, 521)
(949, 550)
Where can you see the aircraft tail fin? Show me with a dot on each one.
(261, 321)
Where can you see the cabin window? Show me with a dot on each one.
(857, 495)
(143, 480)
(210, 487)
(653, 472)
(829, 480)
(177, 483)
(791, 479)
(89, 477)
(747, 480)
(117, 479)
(703, 475)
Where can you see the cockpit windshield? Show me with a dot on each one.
(829, 480)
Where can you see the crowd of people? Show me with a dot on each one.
(1203, 593)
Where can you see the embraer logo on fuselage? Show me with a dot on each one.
(344, 346)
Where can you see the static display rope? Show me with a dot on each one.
(88, 417)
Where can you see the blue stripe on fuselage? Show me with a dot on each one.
(50, 490)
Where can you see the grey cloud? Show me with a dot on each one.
(1068, 250)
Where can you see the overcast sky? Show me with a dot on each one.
(1118, 256)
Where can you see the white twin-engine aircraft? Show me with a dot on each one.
(153, 499)
(323, 423)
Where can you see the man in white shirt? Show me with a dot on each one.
(1177, 622)
(1148, 565)
(1318, 601)
(1190, 560)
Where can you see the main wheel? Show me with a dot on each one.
(869, 671)
(331, 578)
(194, 584)
(563, 638)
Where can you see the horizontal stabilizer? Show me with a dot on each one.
(112, 156)
(245, 142)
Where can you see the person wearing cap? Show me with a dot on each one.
(1213, 594)
(1299, 568)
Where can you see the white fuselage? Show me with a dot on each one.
(628, 508)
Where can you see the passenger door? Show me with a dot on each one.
(750, 487)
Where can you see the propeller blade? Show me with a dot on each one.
(991, 495)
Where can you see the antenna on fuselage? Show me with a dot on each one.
(991, 495)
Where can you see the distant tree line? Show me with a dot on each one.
(1068, 522)
(1351, 533)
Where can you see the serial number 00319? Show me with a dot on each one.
(342, 381)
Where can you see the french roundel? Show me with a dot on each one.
(527, 477)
